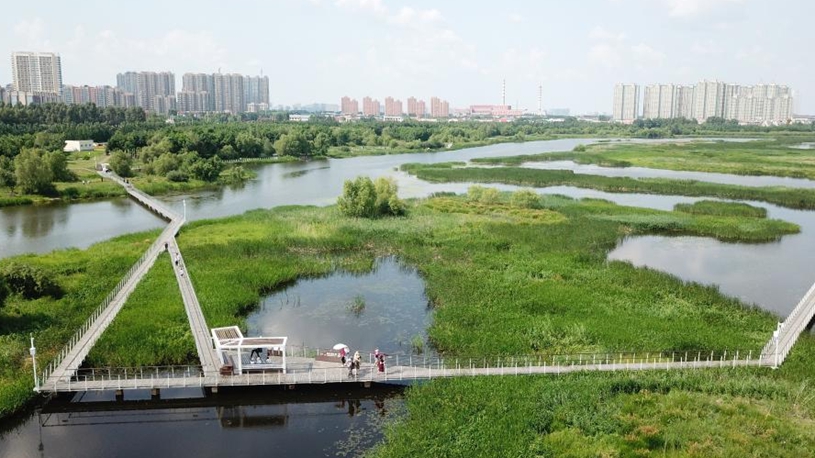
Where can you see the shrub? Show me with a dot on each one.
(30, 282)
(121, 163)
(525, 198)
(362, 198)
(177, 176)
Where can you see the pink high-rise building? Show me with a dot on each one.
(416, 107)
(439, 108)
(349, 106)
(370, 107)
(393, 107)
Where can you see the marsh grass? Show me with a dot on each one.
(719, 412)
(86, 277)
(716, 208)
(786, 197)
(766, 157)
(357, 305)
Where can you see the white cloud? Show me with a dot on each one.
(515, 18)
(600, 33)
(410, 16)
(374, 6)
(646, 55)
(606, 55)
(689, 8)
(706, 48)
(32, 33)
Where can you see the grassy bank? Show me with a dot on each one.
(86, 276)
(782, 196)
(768, 157)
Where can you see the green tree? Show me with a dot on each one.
(165, 164)
(121, 163)
(7, 178)
(33, 173)
(321, 143)
(294, 143)
(248, 145)
(58, 161)
(4, 291)
(362, 198)
(387, 200)
(207, 169)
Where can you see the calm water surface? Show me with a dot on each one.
(318, 421)
(319, 312)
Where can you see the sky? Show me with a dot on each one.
(459, 50)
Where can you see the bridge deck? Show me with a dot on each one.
(303, 371)
(210, 363)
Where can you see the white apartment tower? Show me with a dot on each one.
(659, 101)
(708, 100)
(626, 102)
(36, 72)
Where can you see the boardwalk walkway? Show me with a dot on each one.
(210, 363)
(303, 371)
(62, 374)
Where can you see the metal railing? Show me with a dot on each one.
(786, 335)
(400, 368)
(90, 322)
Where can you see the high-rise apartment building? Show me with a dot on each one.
(658, 101)
(370, 107)
(393, 107)
(349, 106)
(153, 91)
(439, 108)
(421, 109)
(101, 96)
(626, 102)
(708, 100)
(413, 108)
(256, 89)
(759, 104)
(225, 93)
(35, 72)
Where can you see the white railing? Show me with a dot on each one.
(90, 322)
(400, 368)
(788, 331)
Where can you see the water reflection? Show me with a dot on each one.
(383, 309)
(313, 421)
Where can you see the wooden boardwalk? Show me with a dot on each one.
(210, 363)
(62, 374)
(307, 371)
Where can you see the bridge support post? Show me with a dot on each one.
(155, 394)
(366, 384)
(120, 395)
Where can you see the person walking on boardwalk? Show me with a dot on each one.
(356, 362)
(166, 245)
(343, 352)
(380, 360)
(177, 258)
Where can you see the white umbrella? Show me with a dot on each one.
(340, 346)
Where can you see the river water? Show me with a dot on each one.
(772, 275)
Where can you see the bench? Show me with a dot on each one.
(229, 366)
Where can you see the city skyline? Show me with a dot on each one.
(459, 49)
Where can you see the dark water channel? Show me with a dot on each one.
(311, 422)
(386, 309)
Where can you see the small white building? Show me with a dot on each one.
(78, 145)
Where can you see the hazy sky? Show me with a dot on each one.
(320, 50)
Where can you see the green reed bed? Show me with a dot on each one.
(711, 413)
(782, 196)
(86, 277)
(716, 208)
(760, 157)
(153, 318)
